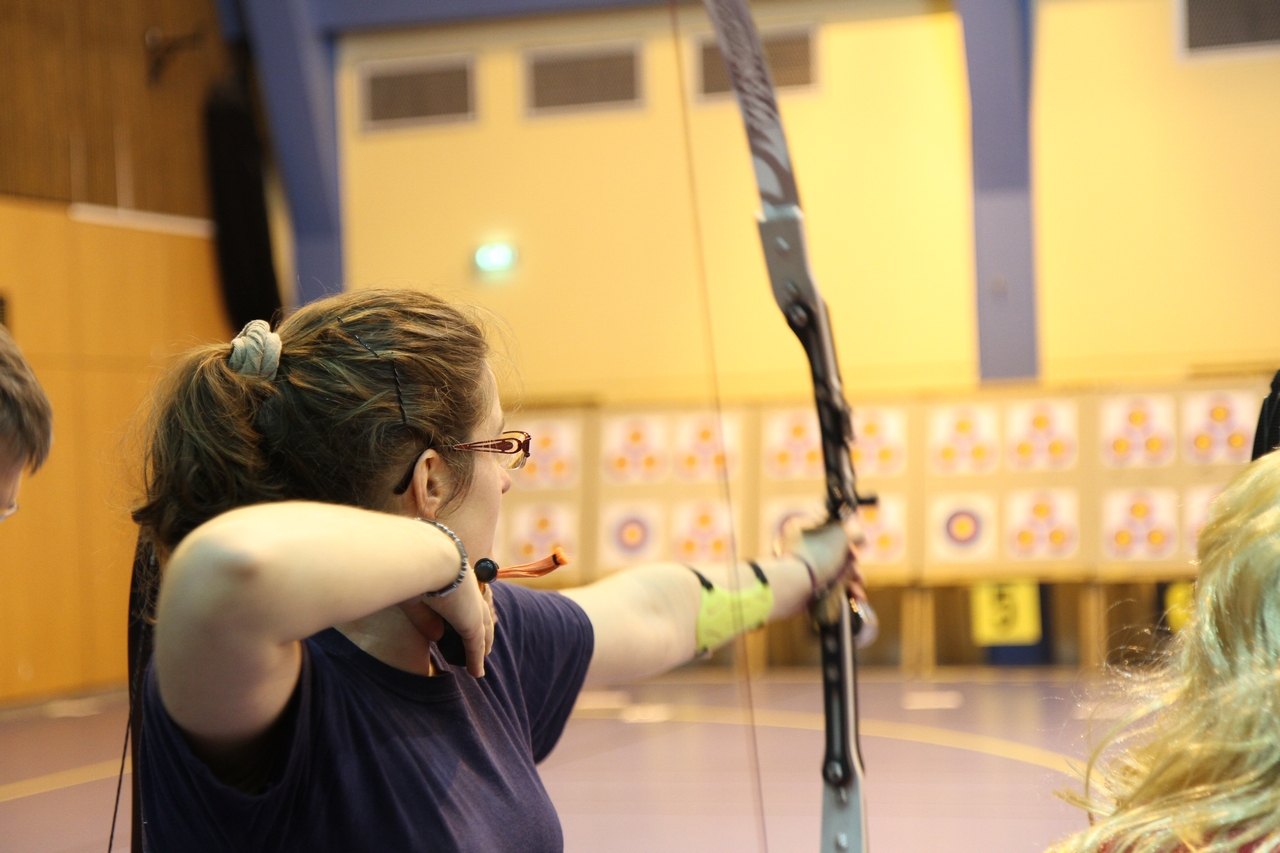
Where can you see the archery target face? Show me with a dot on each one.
(1042, 524)
(635, 449)
(631, 532)
(962, 527)
(1195, 512)
(884, 529)
(701, 532)
(809, 512)
(536, 529)
(555, 457)
(1140, 524)
(880, 444)
(792, 445)
(1041, 435)
(1218, 427)
(964, 439)
(706, 447)
(1137, 431)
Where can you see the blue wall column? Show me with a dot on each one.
(999, 45)
(295, 60)
(293, 46)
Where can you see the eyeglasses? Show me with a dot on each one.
(12, 508)
(513, 444)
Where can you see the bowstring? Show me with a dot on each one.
(124, 757)
(742, 658)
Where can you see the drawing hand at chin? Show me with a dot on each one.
(469, 609)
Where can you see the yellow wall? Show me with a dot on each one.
(97, 310)
(1158, 197)
(607, 303)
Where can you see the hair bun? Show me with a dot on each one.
(256, 351)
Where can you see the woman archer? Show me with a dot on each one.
(317, 498)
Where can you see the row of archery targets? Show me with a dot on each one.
(993, 491)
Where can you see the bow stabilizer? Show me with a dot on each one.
(781, 224)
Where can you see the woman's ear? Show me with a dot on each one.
(430, 485)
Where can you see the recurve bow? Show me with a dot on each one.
(781, 223)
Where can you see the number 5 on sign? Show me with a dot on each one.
(1005, 614)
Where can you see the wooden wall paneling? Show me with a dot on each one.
(145, 296)
(94, 34)
(191, 298)
(953, 636)
(1093, 625)
(34, 135)
(919, 631)
(107, 482)
(169, 138)
(83, 122)
(1064, 627)
(99, 311)
(121, 280)
(35, 275)
(41, 606)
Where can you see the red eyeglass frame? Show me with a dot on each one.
(511, 441)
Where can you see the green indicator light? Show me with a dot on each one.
(495, 257)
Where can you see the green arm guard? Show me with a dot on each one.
(726, 613)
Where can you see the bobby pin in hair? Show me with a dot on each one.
(395, 374)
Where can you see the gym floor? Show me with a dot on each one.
(966, 761)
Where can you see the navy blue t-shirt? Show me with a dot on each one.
(375, 758)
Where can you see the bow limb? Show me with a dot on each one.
(781, 224)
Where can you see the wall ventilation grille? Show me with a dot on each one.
(1217, 24)
(790, 58)
(408, 95)
(559, 81)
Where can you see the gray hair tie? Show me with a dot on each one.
(256, 351)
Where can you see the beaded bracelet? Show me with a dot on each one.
(462, 551)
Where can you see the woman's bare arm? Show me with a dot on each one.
(242, 590)
(645, 619)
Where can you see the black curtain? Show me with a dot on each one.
(243, 240)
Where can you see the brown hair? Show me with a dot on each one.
(367, 380)
(26, 419)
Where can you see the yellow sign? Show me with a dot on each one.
(1005, 614)
(1179, 598)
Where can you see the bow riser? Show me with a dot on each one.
(843, 798)
(782, 236)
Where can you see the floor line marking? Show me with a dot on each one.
(915, 733)
(985, 744)
(61, 779)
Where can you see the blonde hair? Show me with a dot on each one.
(1197, 766)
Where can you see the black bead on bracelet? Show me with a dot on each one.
(462, 552)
